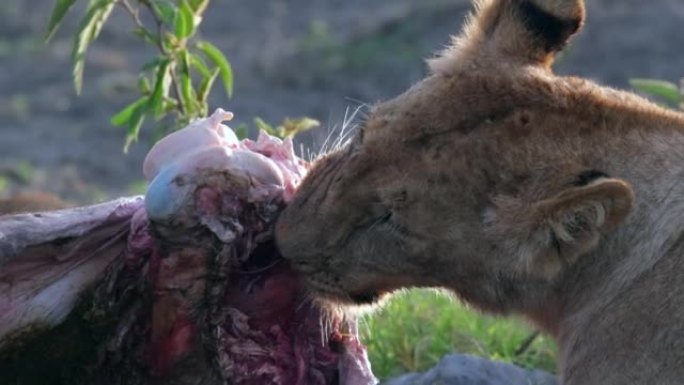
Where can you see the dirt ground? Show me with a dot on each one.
(291, 58)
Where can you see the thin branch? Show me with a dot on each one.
(135, 16)
(133, 12)
(177, 90)
(159, 24)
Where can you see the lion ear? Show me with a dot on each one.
(554, 232)
(577, 218)
(514, 31)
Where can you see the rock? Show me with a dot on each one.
(464, 369)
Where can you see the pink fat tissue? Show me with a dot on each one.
(194, 286)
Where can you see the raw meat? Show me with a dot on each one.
(183, 286)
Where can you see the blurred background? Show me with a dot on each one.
(291, 58)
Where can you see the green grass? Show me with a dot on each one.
(414, 329)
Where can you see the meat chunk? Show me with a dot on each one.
(183, 286)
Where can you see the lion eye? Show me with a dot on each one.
(388, 223)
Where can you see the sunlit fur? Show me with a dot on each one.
(517, 189)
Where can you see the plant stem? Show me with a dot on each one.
(158, 41)
(177, 90)
(135, 15)
(159, 24)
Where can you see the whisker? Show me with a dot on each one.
(350, 124)
(327, 139)
(339, 135)
(357, 101)
(305, 300)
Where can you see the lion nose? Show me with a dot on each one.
(297, 236)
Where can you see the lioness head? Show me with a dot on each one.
(489, 177)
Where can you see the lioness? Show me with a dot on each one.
(517, 189)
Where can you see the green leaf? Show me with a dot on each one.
(169, 105)
(241, 131)
(662, 89)
(134, 123)
(162, 84)
(144, 85)
(197, 63)
(90, 28)
(185, 24)
(187, 92)
(198, 6)
(204, 88)
(133, 132)
(185, 60)
(220, 61)
(262, 125)
(292, 127)
(124, 116)
(58, 12)
(164, 10)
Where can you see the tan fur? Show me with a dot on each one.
(474, 180)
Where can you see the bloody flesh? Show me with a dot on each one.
(121, 294)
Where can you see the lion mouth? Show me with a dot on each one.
(368, 298)
(338, 296)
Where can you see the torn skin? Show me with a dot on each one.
(183, 287)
